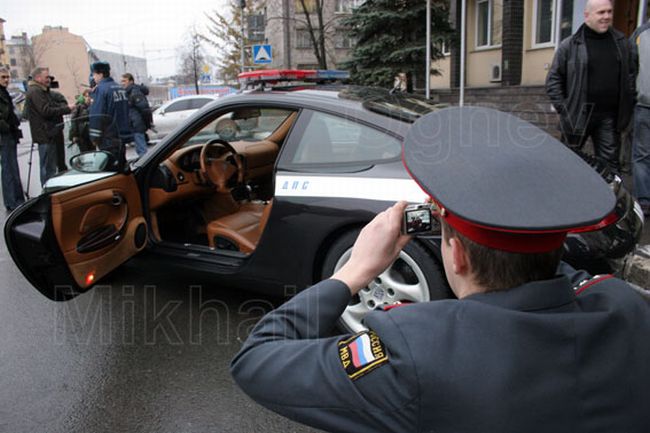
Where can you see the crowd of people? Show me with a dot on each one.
(105, 116)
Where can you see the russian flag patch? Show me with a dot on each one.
(362, 353)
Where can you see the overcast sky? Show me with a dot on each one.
(153, 29)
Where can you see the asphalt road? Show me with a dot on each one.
(139, 353)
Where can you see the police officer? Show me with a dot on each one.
(109, 127)
(530, 345)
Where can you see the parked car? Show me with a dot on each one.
(266, 190)
(173, 113)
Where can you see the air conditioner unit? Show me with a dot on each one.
(495, 73)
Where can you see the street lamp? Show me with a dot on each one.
(242, 4)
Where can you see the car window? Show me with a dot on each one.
(179, 106)
(330, 139)
(199, 102)
(241, 124)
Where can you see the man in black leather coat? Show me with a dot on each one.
(591, 84)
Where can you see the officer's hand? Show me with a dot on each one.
(376, 248)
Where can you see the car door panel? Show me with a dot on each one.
(65, 241)
(96, 226)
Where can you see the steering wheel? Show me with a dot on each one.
(220, 162)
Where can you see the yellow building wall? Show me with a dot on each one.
(4, 58)
(66, 56)
(441, 81)
(535, 61)
(479, 61)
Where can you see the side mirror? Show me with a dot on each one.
(92, 162)
(161, 112)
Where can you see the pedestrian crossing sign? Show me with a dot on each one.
(262, 54)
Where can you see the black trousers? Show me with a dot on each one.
(607, 141)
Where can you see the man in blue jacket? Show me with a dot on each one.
(109, 126)
(139, 112)
(530, 345)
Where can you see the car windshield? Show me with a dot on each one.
(403, 106)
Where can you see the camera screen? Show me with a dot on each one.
(418, 220)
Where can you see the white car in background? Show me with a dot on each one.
(172, 113)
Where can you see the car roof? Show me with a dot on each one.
(318, 98)
(182, 98)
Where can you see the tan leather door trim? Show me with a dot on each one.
(110, 205)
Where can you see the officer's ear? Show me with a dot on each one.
(460, 260)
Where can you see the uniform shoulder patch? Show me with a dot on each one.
(585, 284)
(362, 353)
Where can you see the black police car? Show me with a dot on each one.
(267, 190)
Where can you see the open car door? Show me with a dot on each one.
(66, 241)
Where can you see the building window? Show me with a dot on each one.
(566, 19)
(543, 21)
(11, 50)
(343, 40)
(489, 18)
(303, 40)
(347, 6)
(12, 62)
(310, 6)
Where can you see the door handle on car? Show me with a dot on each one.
(108, 233)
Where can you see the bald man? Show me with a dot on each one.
(591, 84)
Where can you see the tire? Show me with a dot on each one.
(415, 276)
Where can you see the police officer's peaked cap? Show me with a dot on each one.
(504, 183)
(101, 68)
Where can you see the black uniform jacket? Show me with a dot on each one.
(543, 357)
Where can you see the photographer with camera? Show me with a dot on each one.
(44, 112)
(530, 345)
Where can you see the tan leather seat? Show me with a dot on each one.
(240, 231)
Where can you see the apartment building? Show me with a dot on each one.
(19, 52)
(287, 32)
(3, 51)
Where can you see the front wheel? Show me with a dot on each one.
(415, 276)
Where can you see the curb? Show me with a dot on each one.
(637, 267)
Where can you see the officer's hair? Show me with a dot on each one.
(39, 70)
(500, 270)
(128, 76)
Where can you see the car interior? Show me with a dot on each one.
(215, 189)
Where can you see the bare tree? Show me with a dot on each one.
(224, 33)
(73, 68)
(317, 35)
(192, 58)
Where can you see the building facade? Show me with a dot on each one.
(3, 50)
(512, 42)
(19, 51)
(121, 63)
(66, 55)
(287, 32)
